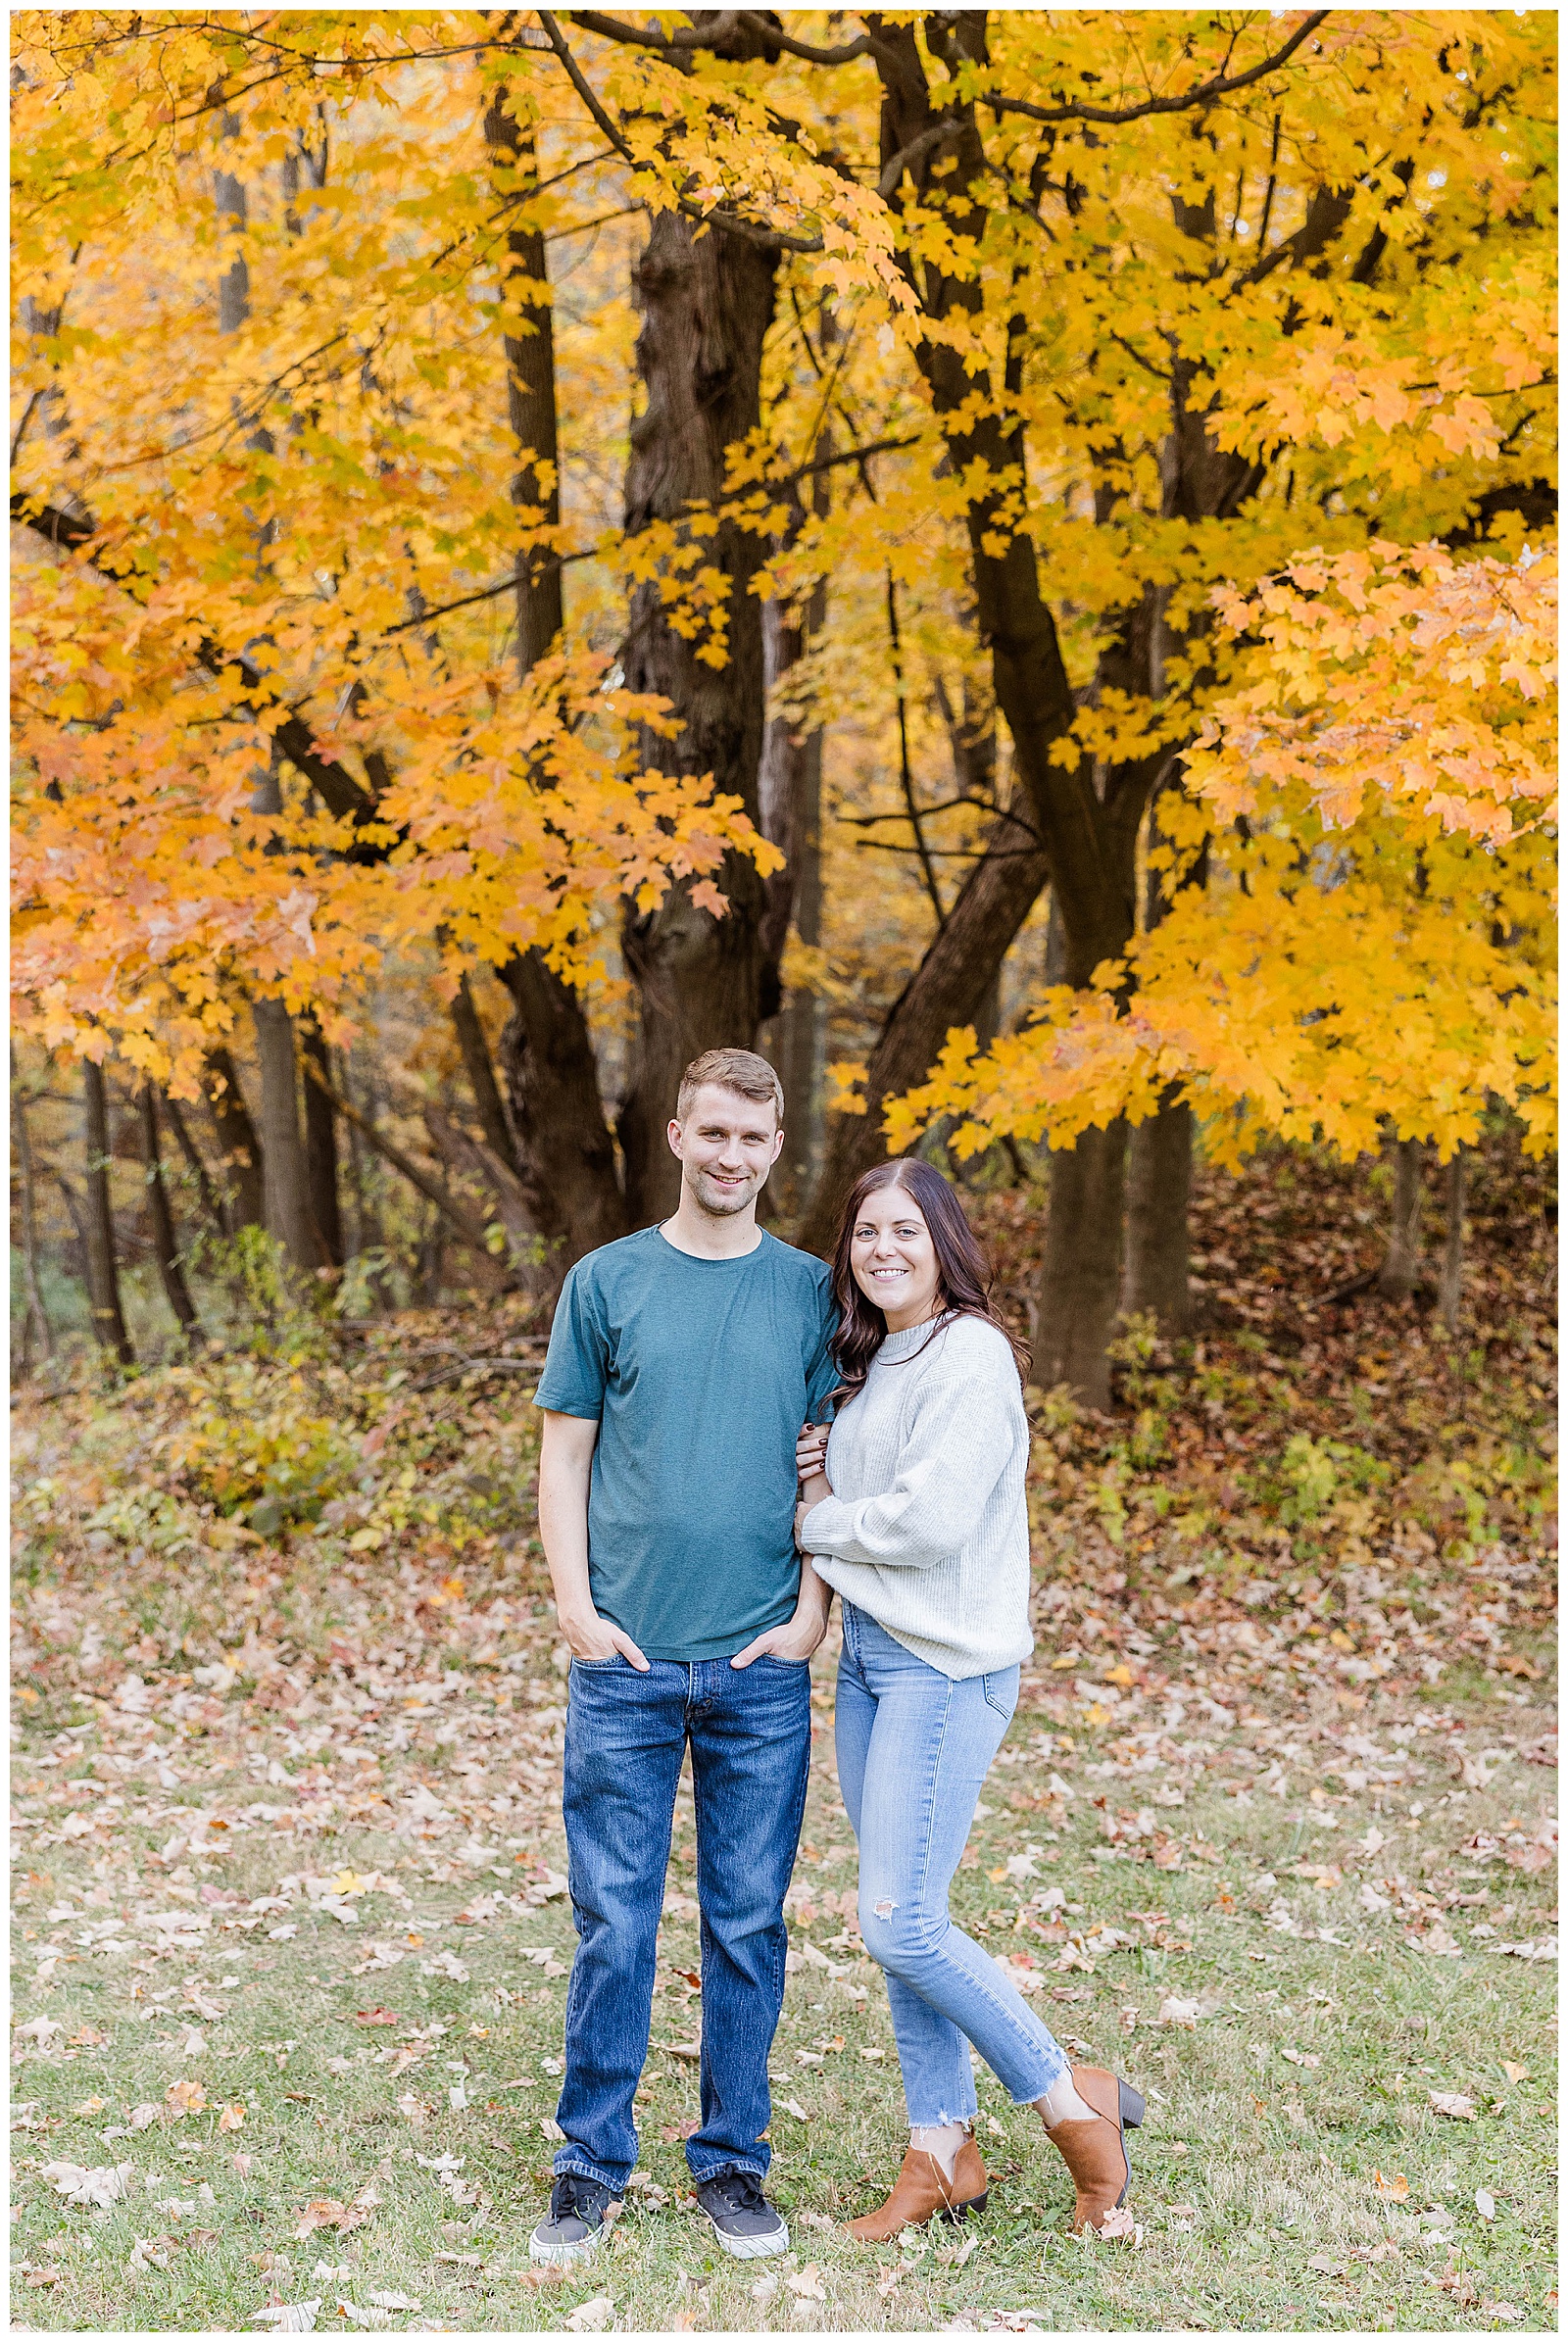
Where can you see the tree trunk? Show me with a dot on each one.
(706, 302)
(949, 988)
(166, 1247)
(531, 357)
(320, 1151)
(1450, 1285)
(790, 797)
(37, 1315)
(1396, 1277)
(566, 1158)
(1160, 1179)
(482, 1080)
(287, 1194)
(1081, 1274)
(556, 1139)
(102, 1267)
(1159, 1165)
(212, 1201)
(238, 1145)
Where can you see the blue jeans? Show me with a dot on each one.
(750, 1732)
(913, 1748)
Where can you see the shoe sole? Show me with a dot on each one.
(750, 2248)
(943, 2212)
(562, 2256)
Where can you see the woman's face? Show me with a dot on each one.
(893, 1259)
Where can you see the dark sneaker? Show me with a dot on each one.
(580, 2216)
(743, 2219)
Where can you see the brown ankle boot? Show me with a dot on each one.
(922, 2190)
(1095, 2151)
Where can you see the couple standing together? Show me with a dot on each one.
(698, 1520)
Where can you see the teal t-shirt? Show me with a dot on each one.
(700, 1374)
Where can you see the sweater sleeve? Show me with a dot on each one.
(959, 1439)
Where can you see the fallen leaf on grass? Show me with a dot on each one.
(1485, 2204)
(325, 2212)
(101, 2185)
(141, 2118)
(446, 1964)
(186, 2097)
(1119, 2226)
(1515, 2072)
(1506, 2311)
(371, 2317)
(88, 2108)
(807, 2283)
(1396, 2189)
(765, 2289)
(793, 2107)
(1301, 2057)
(1452, 2103)
(233, 2117)
(1326, 2264)
(1175, 2011)
(591, 2318)
(376, 2016)
(288, 2317)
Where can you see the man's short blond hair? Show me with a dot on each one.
(740, 1070)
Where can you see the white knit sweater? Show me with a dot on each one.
(926, 1530)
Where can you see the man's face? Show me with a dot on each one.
(727, 1144)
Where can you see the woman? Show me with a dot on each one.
(916, 1516)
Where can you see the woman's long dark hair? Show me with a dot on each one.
(964, 1274)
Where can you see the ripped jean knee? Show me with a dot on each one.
(900, 1936)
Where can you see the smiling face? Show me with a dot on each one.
(727, 1145)
(893, 1258)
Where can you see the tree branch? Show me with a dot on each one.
(767, 239)
(1222, 86)
(716, 30)
(334, 784)
(466, 1225)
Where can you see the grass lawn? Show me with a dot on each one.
(292, 1937)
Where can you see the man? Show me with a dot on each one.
(682, 1362)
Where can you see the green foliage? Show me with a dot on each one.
(252, 1446)
(1313, 1473)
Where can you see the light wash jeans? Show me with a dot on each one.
(913, 1748)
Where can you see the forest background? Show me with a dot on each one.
(1007, 559)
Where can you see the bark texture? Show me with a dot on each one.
(287, 1198)
(705, 303)
(790, 801)
(166, 1245)
(950, 987)
(36, 1322)
(482, 1073)
(1081, 1273)
(1160, 1182)
(320, 1151)
(239, 1146)
(103, 1264)
(1395, 1280)
(1450, 1283)
(1160, 1167)
(566, 1158)
(530, 354)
